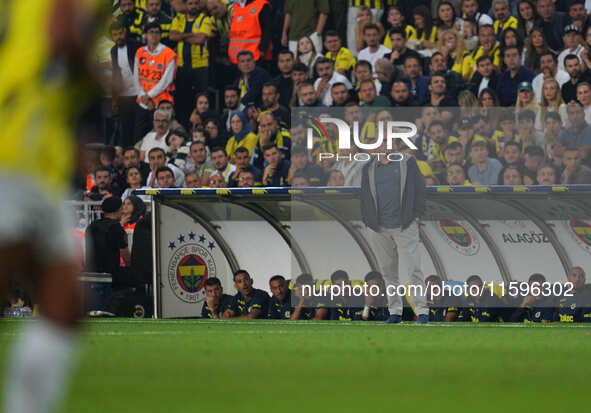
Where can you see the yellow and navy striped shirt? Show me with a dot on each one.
(343, 60)
(510, 22)
(199, 54)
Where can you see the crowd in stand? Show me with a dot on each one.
(200, 93)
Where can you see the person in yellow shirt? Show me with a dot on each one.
(426, 30)
(44, 99)
(395, 20)
(503, 18)
(487, 45)
(191, 30)
(242, 135)
(344, 61)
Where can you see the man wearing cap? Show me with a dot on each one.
(106, 241)
(513, 76)
(548, 70)
(571, 45)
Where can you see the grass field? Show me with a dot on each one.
(265, 366)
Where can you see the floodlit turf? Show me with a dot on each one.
(264, 366)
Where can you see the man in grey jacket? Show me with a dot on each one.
(392, 200)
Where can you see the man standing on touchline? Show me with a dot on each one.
(392, 200)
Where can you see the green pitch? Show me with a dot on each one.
(265, 366)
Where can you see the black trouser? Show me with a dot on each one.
(144, 121)
(127, 112)
(188, 83)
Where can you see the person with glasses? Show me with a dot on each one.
(157, 138)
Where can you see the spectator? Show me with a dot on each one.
(250, 32)
(363, 72)
(124, 92)
(571, 45)
(503, 18)
(270, 133)
(276, 167)
(470, 12)
(131, 19)
(198, 161)
(395, 20)
(579, 132)
(284, 81)
(213, 133)
(526, 18)
(304, 20)
(232, 105)
(510, 175)
(342, 58)
(484, 171)
(574, 172)
(192, 180)
(487, 46)
(446, 16)
(248, 302)
(245, 179)
(374, 50)
(300, 163)
(418, 84)
(308, 95)
(574, 68)
(326, 78)
(241, 160)
(453, 80)
(511, 155)
(335, 178)
(242, 136)
(551, 102)
(527, 134)
(547, 175)
(533, 157)
(202, 113)
(438, 92)
(455, 175)
(526, 98)
(584, 98)
(400, 95)
(397, 43)
(369, 97)
(299, 77)
(104, 186)
(252, 78)
(553, 129)
(578, 14)
(308, 55)
(223, 167)
(485, 76)
(426, 30)
(552, 23)
(387, 74)
(134, 181)
(131, 157)
(217, 181)
(158, 138)
(513, 76)
(455, 154)
(132, 211)
(299, 180)
(549, 69)
(536, 46)
(339, 94)
(365, 17)
(270, 101)
(157, 65)
(165, 177)
(157, 159)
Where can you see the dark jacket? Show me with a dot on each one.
(132, 48)
(554, 29)
(413, 193)
(477, 78)
(256, 79)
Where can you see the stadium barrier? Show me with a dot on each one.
(502, 233)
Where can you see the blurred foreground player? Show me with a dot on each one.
(39, 103)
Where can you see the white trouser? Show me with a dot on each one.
(352, 22)
(316, 41)
(398, 254)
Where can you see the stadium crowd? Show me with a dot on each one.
(198, 93)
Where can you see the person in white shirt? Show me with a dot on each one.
(571, 45)
(326, 78)
(549, 69)
(157, 159)
(374, 50)
(157, 137)
(470, 12)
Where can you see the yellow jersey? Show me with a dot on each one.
(38, 100)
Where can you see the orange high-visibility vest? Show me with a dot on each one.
(245, 31)
(151, 69)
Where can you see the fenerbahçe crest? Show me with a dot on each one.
(190, 266)
(458, 237)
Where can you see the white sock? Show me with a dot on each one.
(39, 368)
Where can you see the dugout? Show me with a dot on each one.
(502, 233)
